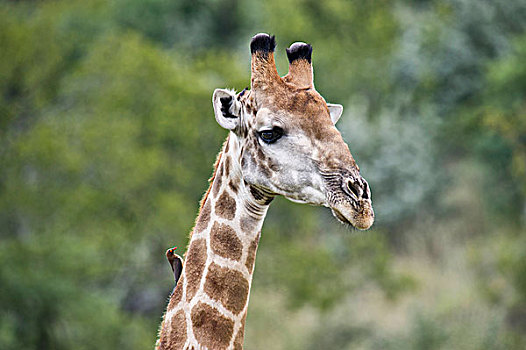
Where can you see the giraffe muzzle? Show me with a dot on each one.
(350, 201)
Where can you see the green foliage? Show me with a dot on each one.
(107, 137)
(505, 107)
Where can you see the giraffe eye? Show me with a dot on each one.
(271, 136)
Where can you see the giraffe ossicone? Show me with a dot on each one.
(282, 141)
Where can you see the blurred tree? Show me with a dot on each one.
(504, 109)
(99, 151)
(107, 136)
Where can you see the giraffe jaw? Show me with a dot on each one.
(361, 219)
(356, 212)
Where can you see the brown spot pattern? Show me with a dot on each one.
(251, 254)
(194, 266)
(218, 179)
(227, 164)
(160, 344)
(177, 333)
(264, 169)
(204, 217)
(224, 241)
(227, 286)
(211, 329)
(233, 186)
(260, 156)
(247, 224)
(177, 294)
(226, 206)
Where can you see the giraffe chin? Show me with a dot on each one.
(361, 220)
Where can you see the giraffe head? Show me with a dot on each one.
(287, 140)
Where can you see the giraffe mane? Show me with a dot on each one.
(210, 182)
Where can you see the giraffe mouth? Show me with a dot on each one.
(340, 217)
(360, 215)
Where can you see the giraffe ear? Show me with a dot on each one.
(336, 111)
(227, 108)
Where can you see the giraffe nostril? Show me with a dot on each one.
(365, 190)
(352, 188)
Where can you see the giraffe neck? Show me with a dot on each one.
(209, 304)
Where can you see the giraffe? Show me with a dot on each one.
(282, 141)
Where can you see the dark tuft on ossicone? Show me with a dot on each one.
(298, 51)
(263, 43)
